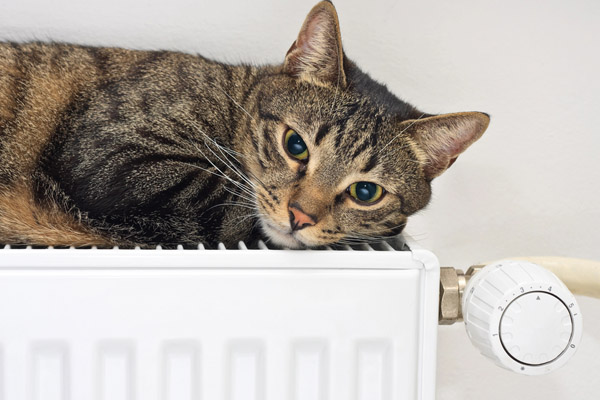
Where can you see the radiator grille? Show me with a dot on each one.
(396, 243)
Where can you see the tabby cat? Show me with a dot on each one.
(107, 146)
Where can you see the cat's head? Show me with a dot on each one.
(336, 157)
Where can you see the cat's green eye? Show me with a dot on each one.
(365, 192)
(295, 146)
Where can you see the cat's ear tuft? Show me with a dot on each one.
(442, 138)
(317, 56)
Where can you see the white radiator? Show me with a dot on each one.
(251, 324)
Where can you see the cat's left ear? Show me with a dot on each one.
(317, 56)
(442, 138)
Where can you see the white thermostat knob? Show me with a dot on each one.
(522, 317)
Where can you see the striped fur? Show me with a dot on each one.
(106, 146)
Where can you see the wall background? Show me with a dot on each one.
(528, 187)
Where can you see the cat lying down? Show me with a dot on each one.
(107, 146)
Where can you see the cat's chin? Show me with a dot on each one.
(281, 238)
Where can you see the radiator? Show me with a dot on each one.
(238, 324)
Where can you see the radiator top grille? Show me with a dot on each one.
(393, 244)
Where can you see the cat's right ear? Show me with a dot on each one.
(317, 56)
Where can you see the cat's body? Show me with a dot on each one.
(123, 136)
(102, 146)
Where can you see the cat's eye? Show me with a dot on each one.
(295, 146)
(365, 192)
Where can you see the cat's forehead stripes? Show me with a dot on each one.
(349, 114)
(322, 132)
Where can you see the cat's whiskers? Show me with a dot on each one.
(419, 237)
(401, 132)
(258, 220)
(222, 175)
(230, 164)
(404, 159)
(247, 189)
(239, 185)
(232, 153)
(371, 236)
(386, 228)
(232, 204)
(242, 218)
(350, 242)
(375, 237)
(267, 239)
(238, 194)
(227, 164)
(255, 214)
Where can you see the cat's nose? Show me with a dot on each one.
(299, 219)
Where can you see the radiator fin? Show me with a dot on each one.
(390, 244)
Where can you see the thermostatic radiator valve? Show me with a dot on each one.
(516, 313)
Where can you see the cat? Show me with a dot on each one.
(108, 146)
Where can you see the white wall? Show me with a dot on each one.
(529, 187)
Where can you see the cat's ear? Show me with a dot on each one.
(317, 55)
(442, 138)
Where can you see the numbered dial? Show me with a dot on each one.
(522, 317)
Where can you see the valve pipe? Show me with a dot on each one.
(582, 277)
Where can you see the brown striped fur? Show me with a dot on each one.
(38, 82)
(107, 146)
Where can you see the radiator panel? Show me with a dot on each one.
(190, 330)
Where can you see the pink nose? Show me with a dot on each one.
(299, 219)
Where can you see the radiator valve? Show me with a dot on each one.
(516, 313)
(452, 286)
